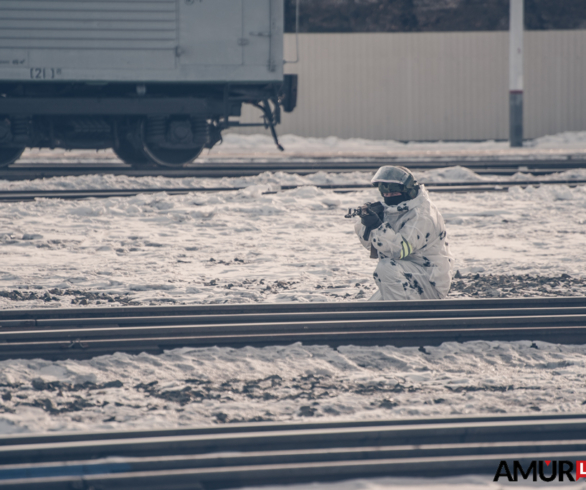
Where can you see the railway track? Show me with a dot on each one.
(220, 457)
(26, 171)
(483, 186)
(85, 333)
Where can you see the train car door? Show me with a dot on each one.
(210, 32)
(257, 32)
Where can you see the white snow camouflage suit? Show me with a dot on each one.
(414, 259)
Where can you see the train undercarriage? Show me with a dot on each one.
(145, 124)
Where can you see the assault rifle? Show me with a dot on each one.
(365, 210)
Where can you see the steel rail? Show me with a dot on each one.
(309, 326)
(249, 318)
(240, 476)
(481, 186)
(239, 168)
(85, 333)
(294, 161)
(326, 162)
(497, 451)
(88, 342)
(21, 439)
(383, 434)
(298, 453)
(34, 315)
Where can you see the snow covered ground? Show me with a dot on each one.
(261, 147)
(186, 387)
(461, 483)
(294, 245)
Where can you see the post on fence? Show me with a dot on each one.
(516, 28)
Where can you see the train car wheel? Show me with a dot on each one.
(9, 155)
(131, 155)
(172, 158)
(166, 157)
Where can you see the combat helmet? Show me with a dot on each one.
(396, 179)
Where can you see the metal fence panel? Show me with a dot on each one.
(432, 86)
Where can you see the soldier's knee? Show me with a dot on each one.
(388, 270)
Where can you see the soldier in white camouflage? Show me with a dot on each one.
(407, 234)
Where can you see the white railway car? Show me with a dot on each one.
(156, 80)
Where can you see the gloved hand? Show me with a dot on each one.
(370, 221)
(378, 208)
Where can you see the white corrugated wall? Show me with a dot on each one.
(433, 86)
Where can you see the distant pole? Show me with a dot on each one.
(516, 29)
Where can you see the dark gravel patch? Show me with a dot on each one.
(463, 286)
(510, 286)
(78, 297)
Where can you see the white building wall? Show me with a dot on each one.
(432, 86)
